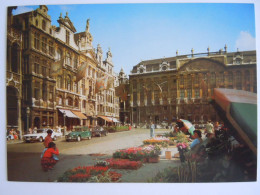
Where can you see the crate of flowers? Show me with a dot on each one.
(157, 140)
(123, 163)
(90, 174)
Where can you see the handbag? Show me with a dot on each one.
(43, 152)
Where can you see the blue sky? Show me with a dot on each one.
(136, 32)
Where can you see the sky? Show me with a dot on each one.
(137, 32)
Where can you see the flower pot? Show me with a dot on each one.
(168, 155)
(154, 159)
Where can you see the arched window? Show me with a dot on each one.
(70, 101)
(43, 25)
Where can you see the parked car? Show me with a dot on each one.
(40, 135)
(79, 133)
(99, 131)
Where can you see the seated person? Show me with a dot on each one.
(197, 139)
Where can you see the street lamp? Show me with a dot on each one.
(28, 115)
(64, 118)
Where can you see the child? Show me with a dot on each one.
(49, 158)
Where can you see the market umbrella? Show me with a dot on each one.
(240, 108)
(188, 125)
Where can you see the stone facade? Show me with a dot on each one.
(182, 86)
(51, 100)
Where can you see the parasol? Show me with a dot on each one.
(188, 125)
(241, 111)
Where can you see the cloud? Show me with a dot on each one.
(22, 9)
(245, 41)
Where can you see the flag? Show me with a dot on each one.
(110, 82)
(101, 83)
(81, 72)
(121, 92)
(56, 68)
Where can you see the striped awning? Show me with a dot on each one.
(113, 120)
(68, 113)
(79, 114)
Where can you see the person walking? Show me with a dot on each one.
(152, 130)
(209, 128)
(48, 138)
(49, 158)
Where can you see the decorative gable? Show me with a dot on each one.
(67, 22)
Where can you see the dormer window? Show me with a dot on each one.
(164, 68)
(238, 61)
(141, 70)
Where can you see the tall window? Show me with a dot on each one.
(37, 65)
(36, 40)
(76, 103)
(59, 54)
(69, 101)
(37, 90)
(181, 80)
(43, 25)
(197, 93)
(51, 50)
(59, 82)
(230, 78)
(75, 62)
(44, 44)
(76, 87)
(44, 91)
(67, 37)
(247, 80)
(189, 93)
(182, 94)
(68, 58)
(69, 83)
(238, 80)
(196, 79)
(60, 100)
(221, 78)
(83, 90)
(84, 104)
(51, 92)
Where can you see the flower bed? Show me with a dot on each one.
(138, 153)
(123, 164)
(157, 140)
(89, 174)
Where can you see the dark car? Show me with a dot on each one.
(99, 131)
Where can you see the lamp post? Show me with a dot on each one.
(64, 118)
(28, 115)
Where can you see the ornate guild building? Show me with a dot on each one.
(182, 86)
(52, 73)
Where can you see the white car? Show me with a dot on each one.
(40, 136)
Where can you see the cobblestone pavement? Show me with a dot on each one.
(73, 154)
